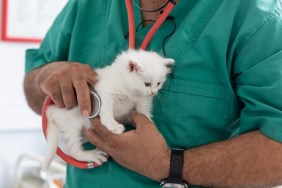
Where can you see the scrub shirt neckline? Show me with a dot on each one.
(142, 31)
(138, 19)
(156, 43)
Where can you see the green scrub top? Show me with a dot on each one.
(227, 79)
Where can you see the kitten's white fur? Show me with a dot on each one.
(122, 89)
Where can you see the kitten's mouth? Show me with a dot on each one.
(150, 94)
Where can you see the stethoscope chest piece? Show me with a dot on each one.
(95, 104)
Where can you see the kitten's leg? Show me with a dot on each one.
(145, 107)
(107, 116)
(96, 155)
(75, 150)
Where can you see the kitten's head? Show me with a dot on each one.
(146, 71)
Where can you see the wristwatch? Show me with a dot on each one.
(175, 173)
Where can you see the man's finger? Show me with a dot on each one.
(140, 119)
(68, 94)
(83, 95)
(102, 131)
(57, 98)
(52, 89)
(91, 77)
(95, 139)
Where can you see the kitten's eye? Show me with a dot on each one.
(158, 83)
(147, 84)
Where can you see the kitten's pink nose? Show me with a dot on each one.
(153, 93)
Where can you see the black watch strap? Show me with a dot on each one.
(176, 167)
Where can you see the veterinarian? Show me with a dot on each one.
(221, 108)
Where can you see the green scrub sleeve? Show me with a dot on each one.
(55, 45)
(258, 79)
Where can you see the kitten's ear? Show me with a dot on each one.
(133, 66)
(168, 63)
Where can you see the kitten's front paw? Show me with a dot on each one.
(116, 128)
(99, 156)
(112, 125)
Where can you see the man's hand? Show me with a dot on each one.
(67, 84)
(143, 150)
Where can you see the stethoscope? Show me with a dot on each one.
(95, 99)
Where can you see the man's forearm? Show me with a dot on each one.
(34, 95)
(250, 160)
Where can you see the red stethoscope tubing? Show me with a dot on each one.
(131, 24)
(145, 43)
(154, 28)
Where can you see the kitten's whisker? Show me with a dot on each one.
(162, 99)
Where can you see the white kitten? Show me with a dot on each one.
(128, 84)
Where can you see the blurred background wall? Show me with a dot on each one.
(20, 128)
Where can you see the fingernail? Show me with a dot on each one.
(85, 113)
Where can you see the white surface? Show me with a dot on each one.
(12, 146)
(14, 111)
(20, 128)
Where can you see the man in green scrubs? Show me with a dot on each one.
(222, 104)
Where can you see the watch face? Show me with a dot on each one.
(174, 185)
